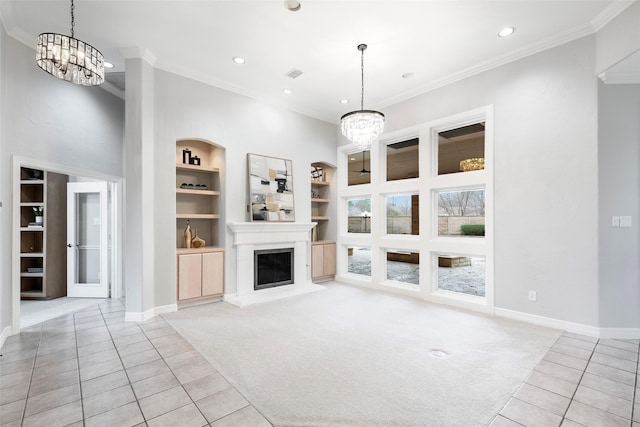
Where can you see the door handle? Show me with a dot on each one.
(69, 245)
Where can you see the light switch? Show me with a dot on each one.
(625, 221)
(615, 221)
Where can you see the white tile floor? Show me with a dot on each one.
(91, 368)
(582, 381)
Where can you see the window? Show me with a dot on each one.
(424, 201)
(403, 160)
(461, 213)
(359, 215)
(403, 266)
(402, 214)
(359, 260)
(461, 149)
(359, 165)
(462, 274)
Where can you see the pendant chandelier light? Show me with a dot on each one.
(70, 59)
(362, 126)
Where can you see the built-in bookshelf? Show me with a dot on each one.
(43, 228)
(198, 202)
(323, 248)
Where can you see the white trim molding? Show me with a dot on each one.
(576, 328)
(143, 316)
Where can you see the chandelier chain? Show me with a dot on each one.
(73, 19)
(362, 79)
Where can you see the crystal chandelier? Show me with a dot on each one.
(362, 126)
(474, 164)
(70, 59)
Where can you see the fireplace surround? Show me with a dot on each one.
(249, 237)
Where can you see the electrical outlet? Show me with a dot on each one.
(533, 296)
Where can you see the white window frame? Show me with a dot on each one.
(427, 244)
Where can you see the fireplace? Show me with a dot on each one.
(272, 267)
(279, 239)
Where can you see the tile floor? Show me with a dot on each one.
(91, 368)
(582, 381)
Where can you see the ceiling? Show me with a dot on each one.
(430, 43)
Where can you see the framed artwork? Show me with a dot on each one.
(270, 188)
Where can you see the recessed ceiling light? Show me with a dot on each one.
(286, 91)
(344, 101)
(238, 60)
(108, 64)
(292, 5)
(352, 158)
(506, 32)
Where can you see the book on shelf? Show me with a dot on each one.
(34, 225)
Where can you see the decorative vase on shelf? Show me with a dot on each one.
(39, 219)
(197, 242)
(187, 235)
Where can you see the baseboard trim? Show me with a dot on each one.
(620, 333)
(576, 328)
(6, 332)
(143, 316)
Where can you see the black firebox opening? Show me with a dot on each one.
(272, 267)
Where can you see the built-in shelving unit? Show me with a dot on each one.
(42, 241)
(323, 250)
(198, 200)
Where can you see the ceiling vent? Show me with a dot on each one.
(294, 73)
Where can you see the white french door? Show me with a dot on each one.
(87, 240)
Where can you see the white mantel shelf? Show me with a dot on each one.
(270, 232)
(251, 236)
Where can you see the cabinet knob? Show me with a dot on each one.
(69, 245)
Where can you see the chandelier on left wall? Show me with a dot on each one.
(70, 59)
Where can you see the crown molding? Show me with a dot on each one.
(613, 78)
(138, 52)
(614, 9)
(112, 89)
(6, 16)
(532, 49)
(222, 84)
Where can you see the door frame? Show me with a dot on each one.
(115, 212)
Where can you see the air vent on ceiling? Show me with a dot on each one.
(294, 73)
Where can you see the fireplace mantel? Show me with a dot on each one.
(251, 236)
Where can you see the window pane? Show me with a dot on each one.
(402, 160)
(359, 216)
(461, 213)
(403, 266)
(464, 144)
(359, 168)
(359, 260)
(402, 214)
(461, 274)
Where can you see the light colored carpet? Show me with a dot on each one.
(352, 357)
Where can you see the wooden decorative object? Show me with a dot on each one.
(187, 235)
(197, 242)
